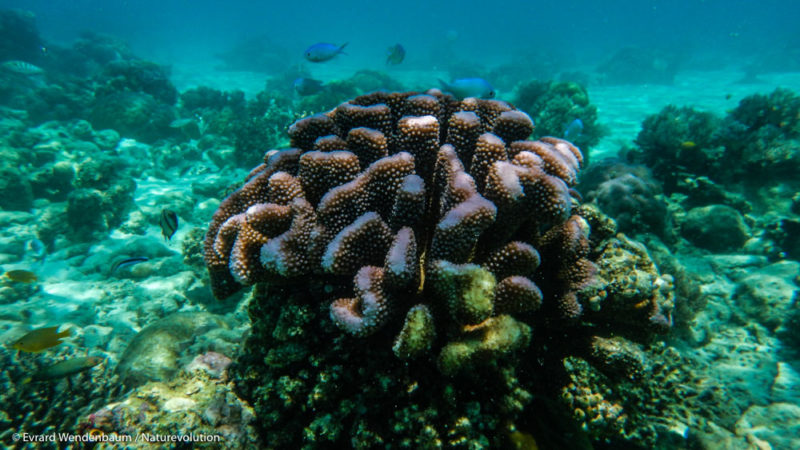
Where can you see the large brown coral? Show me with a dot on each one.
(432, 227)
(454, 181)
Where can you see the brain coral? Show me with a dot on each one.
(387, 188)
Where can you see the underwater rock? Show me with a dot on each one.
(769, 294)
(106, 139)
(96, 336)
(629, 289)
(616, 356)
(690, 299)
(193, 403)
(629, 195)
(718, 228)
(776, 425)
(154, 353)
(786, 385)
(213, 363)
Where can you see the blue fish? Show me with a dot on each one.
(574, 129)
(469, 87)
(128, 262)
(322, 52)
(395, 55)
(307, 86)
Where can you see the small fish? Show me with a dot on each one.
(40, 339)
(307, 86)
(65, 368)
(21, 276)
(396, 54)
(469, 87)
(168, 223)
(688, 145)
(36, 249)
(128, 262)
(22, 68)
(322, 52)
(574, 129)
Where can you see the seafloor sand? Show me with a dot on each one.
(758, 376)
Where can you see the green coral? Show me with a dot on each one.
(780, 109)
(553, 105)
(468, 290)
(496, 337)
(417, 335)
(677, 137)
(297, 396)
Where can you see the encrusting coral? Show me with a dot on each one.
(420, 224)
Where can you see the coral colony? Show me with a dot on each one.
(431, 231)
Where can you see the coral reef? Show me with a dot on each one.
(71, 175)
(691, 150)
(136, 75)
(133, 114)
(439, 211)
(676, 141)
(197, 402)
(48, 406)
(553, 105)
(715, 227)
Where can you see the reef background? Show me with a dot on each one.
(144, 106)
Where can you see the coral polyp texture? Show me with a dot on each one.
(428, 228)
(375, 184)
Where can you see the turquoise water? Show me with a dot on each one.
(657, 307)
